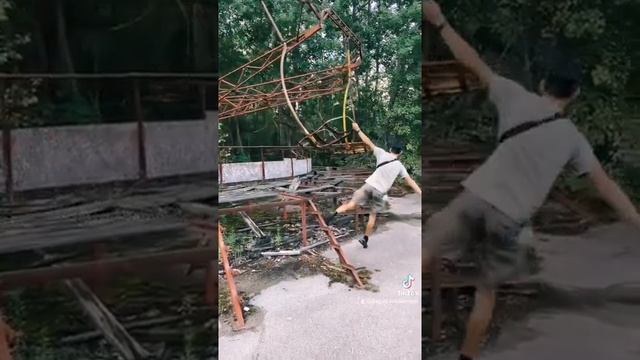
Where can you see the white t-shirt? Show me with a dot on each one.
(382, 179)
(518, 176)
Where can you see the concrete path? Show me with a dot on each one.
(595, 311)
(306, 319)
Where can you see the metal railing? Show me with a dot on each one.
(201, 86)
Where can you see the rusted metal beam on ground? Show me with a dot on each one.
(84, 270)
(335, 245)
(233, 291)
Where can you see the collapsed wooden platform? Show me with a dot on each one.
(447, 78)
(79, 237)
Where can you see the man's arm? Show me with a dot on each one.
(365, 139)
(413, 184)
(611, 193)
(462, 51)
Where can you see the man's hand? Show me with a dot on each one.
(362, 136)
(461, 50)
(433, 13)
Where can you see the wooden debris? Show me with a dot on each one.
(92, 335)
(112, 330)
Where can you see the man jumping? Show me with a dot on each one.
(372, 193)
(536, 142)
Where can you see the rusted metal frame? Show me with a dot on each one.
(303, 215)
(84, 270)
(265, 60)
(333, 241)
(337, 21)
(246, 103)
(250, 95)
(139, 117)
(269, 58)
(250, 103)
(340, 69)
(235, 298)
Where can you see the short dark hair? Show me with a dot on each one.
(560, 86)
(397, 149)
(562, 77)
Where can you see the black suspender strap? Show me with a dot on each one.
(385, 163)
(519, 129)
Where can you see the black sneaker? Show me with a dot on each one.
(364, 242)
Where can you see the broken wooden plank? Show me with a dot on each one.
(140, 324)
(36, 238)
(294, 252)
(252, 225)
(198, 209)
(102, 319)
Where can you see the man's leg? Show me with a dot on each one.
(369, 230)
(479, 320)
(359, 196)
(371, 223)
(351, 205)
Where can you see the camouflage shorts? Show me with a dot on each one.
(470, 228)
(369, 197)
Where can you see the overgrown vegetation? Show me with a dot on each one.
(519, 38)
(387, 93)
(99, 37)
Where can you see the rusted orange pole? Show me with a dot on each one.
(7, 336)
(303, 214)
(235, 299)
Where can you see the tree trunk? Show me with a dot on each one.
(65, 58)
(238, 135)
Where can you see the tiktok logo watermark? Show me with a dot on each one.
(407, 286)
(407, 282)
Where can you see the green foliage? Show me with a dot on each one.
(387, 93)
(99, 37)
(513, 35)
(20, 97)
(278, 240)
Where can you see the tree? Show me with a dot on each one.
(17, 97)
(387, 91)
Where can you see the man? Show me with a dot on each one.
(373, 192)
(501, 196)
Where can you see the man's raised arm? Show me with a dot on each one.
(462, 51)
(365, 139)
